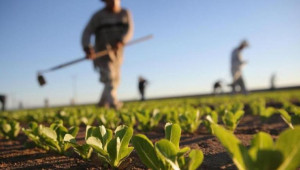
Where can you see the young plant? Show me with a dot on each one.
(85, 151)
(9, 129)
(266, 113)
(108, 117)
(232, 119)
(148, 119)
(69, 116)
(34, 135)
(51, 137)
(257, 106)
(109, 149)
(128, 119)
(166, 154)
(214, 117)
(190, 120)
(291, 120)
(88, 119)
(263, 153)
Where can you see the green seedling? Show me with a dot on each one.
(9, 129)
(263, 153)
(166, 153)
(113, 150)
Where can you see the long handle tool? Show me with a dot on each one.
(42, 80)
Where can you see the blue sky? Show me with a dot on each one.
(191, 47)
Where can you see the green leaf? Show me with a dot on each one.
(47, 132)
(236, 150)
(113, 148)
(268, 159)
(262, 153)
(173, 133)
(167, 149)
(146, 152)
(196, 158)
(262, 140)
(85, 151)
(88, 131)
(69, 138)
(73, 131)
(286, 117)
(6, 127)
(182, 151)
(288, 144)
(124, 133)
(95, 143)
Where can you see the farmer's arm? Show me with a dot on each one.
(129, 32)
(86, 39)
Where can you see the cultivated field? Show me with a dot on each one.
(257, 131)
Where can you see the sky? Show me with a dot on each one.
(191, 48)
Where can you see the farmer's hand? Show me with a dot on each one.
(118, 45)
(90, 53)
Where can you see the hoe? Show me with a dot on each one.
(42, 80)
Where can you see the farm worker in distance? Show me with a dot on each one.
(273, 78)
(2, 101)
(112, 27)
(142, 85)
(236, 68)
(217, 88)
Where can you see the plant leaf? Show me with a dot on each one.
(288, 144)
(146, 152)
(173, 133)
(236, 150)
(196, 158)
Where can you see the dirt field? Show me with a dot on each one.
(14, 154)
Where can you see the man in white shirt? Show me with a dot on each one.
(236, 68)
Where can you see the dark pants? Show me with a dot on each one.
(2, 100)
(239, 82)
(142, 92)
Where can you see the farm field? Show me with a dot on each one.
(199, 122)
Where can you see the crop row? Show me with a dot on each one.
(113, 147)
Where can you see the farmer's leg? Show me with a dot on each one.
(105, 79)
(242, 85)
(115, 84)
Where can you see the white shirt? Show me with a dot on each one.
(236, 63)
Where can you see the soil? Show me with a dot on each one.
(14, 154)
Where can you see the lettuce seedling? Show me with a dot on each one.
(33, 134)
(214, 117)
(9, 129)
(232, 119)
(85, 151)
(109, 149)
(263, 153)
(190, 120)
(51, 137)
(108, 117)
(166, 154)
(148, 119)
(257, 106)
(128, 119)
(291, 120)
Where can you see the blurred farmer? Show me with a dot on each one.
(2, 101)
(142, 85)
(113, 28)
(272, 81)
(217, 89)
(236, 68)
